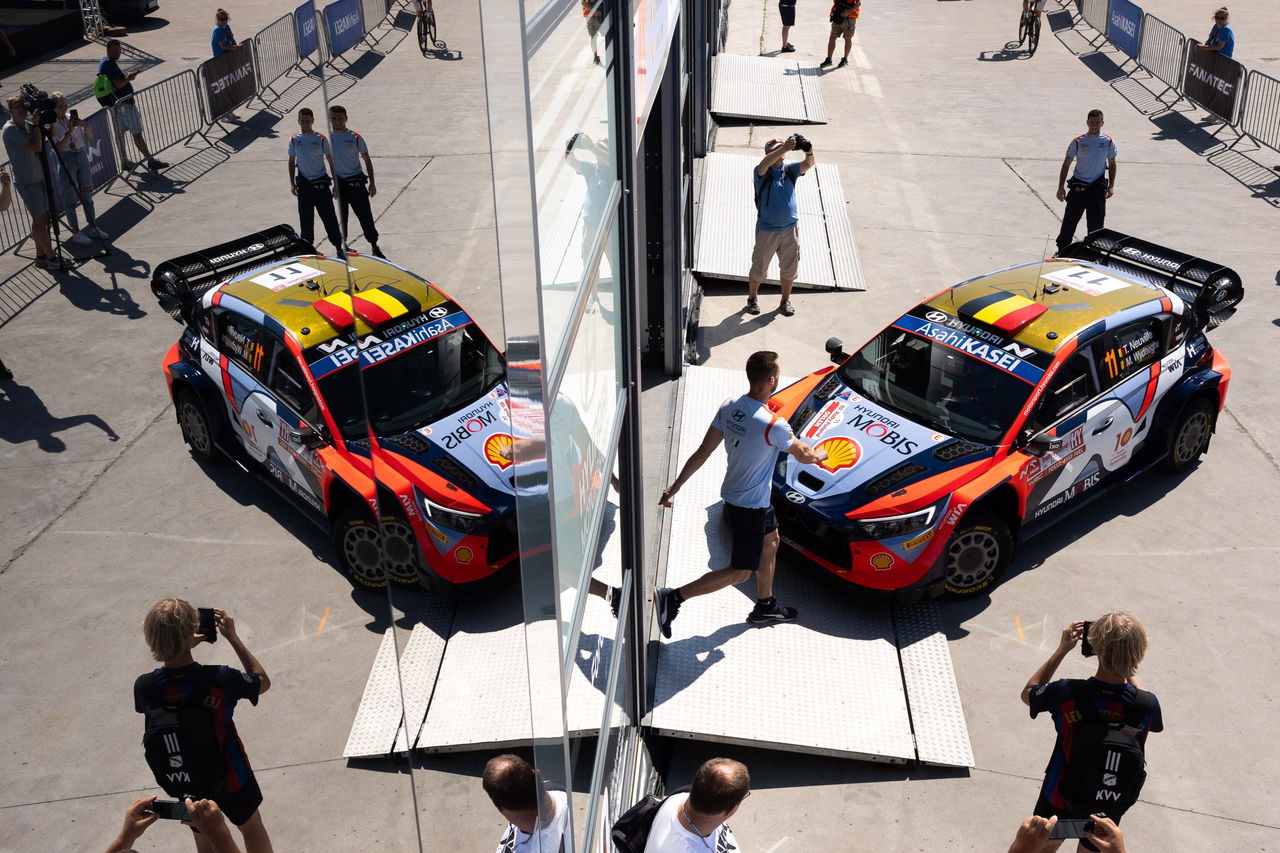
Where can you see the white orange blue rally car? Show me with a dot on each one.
(989, 411)
(363, 399)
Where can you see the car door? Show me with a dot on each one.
(243, 348)
(1130, 370)
(293, 413)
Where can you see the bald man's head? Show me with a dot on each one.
(719, 786)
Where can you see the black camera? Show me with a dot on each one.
(39, 104)
(803, 144)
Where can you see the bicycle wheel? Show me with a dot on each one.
(423, 44)
(431, 28)
(1023, 27)
(1034, 36)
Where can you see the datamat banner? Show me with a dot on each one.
(1213, 81)
(345, 22)
(1124, 26)
(304, 17)
(229, 80)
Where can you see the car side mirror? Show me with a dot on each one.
(307, 437)
(1043, 443)
(835, 349)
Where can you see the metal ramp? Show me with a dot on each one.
(853, 677)
(465, 676)
(768, 89)
(727, 226)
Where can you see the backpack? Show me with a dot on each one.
(181, 746)
(1107, 767)
(631, 830)
(104, 91)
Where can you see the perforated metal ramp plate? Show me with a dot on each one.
(726, 226)
(829, 683)
(765, 88)
(374, 729)
(420, 664)
(942, 738)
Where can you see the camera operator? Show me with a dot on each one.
(24, 141)
(777, 221)
(71, 138)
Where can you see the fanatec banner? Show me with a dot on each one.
(1124, 26)
(229, 80)
(1213, 81)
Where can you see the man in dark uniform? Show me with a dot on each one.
(312, 160)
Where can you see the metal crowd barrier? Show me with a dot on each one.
(1094, 13)
(172, 112)
(374, 13)
(1260, 116)
(15, 223)
(275, 50)
(1163, 51)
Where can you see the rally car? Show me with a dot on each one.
(994, 408)
(378, 400)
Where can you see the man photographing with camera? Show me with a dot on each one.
(777, 220)
(24, 142)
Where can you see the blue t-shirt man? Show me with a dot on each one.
(310, 151)
(347, 146)
(111, 68)
(754, 435)
(776, 191)
(1091, 153)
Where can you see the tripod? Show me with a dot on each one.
(50, 198)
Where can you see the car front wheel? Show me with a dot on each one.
(369, 555)
(978, 553)
(1190, 436)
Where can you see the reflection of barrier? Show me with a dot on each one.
(1260, 117)
(275, 50)
(308, 35)
(1162, 51)
(228, 80)
(344, 26)
(1124, 26)
(1213, 81)
(172, 112)
(374, 13)
(1094, 13)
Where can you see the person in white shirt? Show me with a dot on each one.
(512, 786)
(695, 822)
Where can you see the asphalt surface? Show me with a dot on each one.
(949, 147)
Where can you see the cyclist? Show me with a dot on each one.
(1037, 5)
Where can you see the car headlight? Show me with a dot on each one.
(463, 522)
(890, 526)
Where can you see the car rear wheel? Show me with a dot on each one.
(1190, 436)
(197, 432)
(978, 553)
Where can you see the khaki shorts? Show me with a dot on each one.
(128, 117)
(844, 28)
(785, 244)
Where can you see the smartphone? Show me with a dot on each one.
(207, 626)
(75, 115)
(176, 810)
(1071, 827)
(1087, 651)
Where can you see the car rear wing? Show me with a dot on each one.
(1211, 290)
(179, 283)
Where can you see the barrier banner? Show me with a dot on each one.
(1213, 81)
(345, 23)
(229, 81)
(308, 35)
(103, 164)
(1124, 26)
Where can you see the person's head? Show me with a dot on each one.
(338, 117)
(719, 787)
(1094, 120)
(222, 16)
(1220, 16)
(60, 103)
(16, 110)
(306, 118)
(113, 49)
(1119, 641)
(762, 368)
(510, 783)
(773, 145)
(170, 627)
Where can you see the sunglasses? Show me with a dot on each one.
(1219, 17)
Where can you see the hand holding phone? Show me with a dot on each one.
(170, 810)
(1085, 648)
(208, 629)
(1071, 827)
(75, 115)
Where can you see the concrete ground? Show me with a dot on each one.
(949, 164)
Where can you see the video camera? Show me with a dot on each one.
(39, 104)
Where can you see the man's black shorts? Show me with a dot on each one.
(787, 11)
(238, 807)
(1044, 809)
(750, 526)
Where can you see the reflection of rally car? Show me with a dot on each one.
(994, 408)
(266, 372)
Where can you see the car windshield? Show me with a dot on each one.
(416, 386)
(936, 385)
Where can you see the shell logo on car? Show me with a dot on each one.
(497, 450)
(882, 562)
(841, 453)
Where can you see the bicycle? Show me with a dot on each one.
(1029, 31)
(427, 36)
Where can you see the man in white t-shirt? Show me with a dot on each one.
(695, 822)
(512, 785)
(753, 437)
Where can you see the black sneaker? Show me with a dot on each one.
(788, 48)
(786, 309)
(615, 598)
(826, 63)
(753, 305)
(153, 164)
(668, 607)
(844, 63)
(765, 612)
(377, 253)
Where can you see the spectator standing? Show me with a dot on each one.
(125, 110)
(777, 220)
(1111, 696)
(223, 39)
(309, 153)
(1092, 183)
(355, 186)
(24, 143)
(512, 786)
(1222, 39)
(170, 628)
(844, 22)
(753, 437)
(71, 138)
(694, 822)
(787, 12)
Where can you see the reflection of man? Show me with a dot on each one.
(309, 154)
(696, 821)
(753, 437)
(512, 786)
(595, 172)
(355, 185)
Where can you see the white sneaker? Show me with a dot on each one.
(98, 232)
(82, 237)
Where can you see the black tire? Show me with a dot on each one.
(980, 549)
(1190, 437)
(197, 430)
(423, 44)
(1023, 27)
(1033, 36)
(431, 28)
(369, 553)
